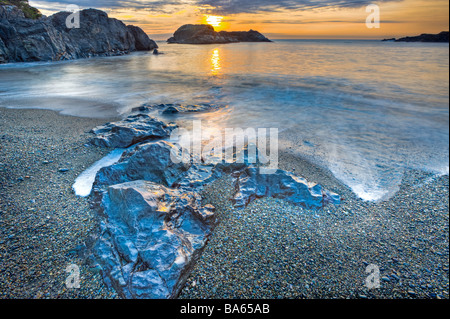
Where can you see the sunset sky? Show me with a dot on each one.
(278, 19)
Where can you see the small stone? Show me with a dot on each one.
(63, 170)
(394, 276)
(386, 279)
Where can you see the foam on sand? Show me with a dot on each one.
(83, 183)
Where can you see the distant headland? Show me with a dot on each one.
(205, 34)
(440, 37)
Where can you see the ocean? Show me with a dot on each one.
(365, 110)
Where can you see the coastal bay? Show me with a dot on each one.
(167, 150)
(338, 185)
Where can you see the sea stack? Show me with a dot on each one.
(205, 34)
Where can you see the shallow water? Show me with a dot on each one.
(366, 110)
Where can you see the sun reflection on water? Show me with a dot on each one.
(215, 62)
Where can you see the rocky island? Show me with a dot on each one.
(205, 34)
(26, 36)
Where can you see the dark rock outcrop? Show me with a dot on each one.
(4, 53)
(151, 237)
(244, 36)
(251, 184)
(176, 108)
(154, 161)
(26, 10)
(442, 37)
(48, 38)
(205, 34)
(151, 161)
(134, 129)
(10, 12)
(153, 224)
(142, 41)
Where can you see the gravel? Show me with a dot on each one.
(273, 249)
(43, 225)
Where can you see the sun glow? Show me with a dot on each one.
(215, 21)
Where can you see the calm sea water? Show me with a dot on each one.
(366, 110)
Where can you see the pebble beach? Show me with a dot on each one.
(271, 249)
(43, 225)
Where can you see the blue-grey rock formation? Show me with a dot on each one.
(151, 161)
(153, 223)
(48, 38)
(151, 237)
(132, 130)
(251, 184)
(176, 108)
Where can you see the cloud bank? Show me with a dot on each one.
(226, 7)
(222, 7)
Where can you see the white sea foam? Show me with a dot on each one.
(373, 195)
(83, 184)
(444, 172)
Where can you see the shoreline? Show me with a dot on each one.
(40, 235)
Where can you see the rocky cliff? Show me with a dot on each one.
(205, 34)
(48, 39)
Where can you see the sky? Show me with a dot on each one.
(277, 19)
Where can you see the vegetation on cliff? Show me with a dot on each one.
(29, 11)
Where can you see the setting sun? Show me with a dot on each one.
(215, 21)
